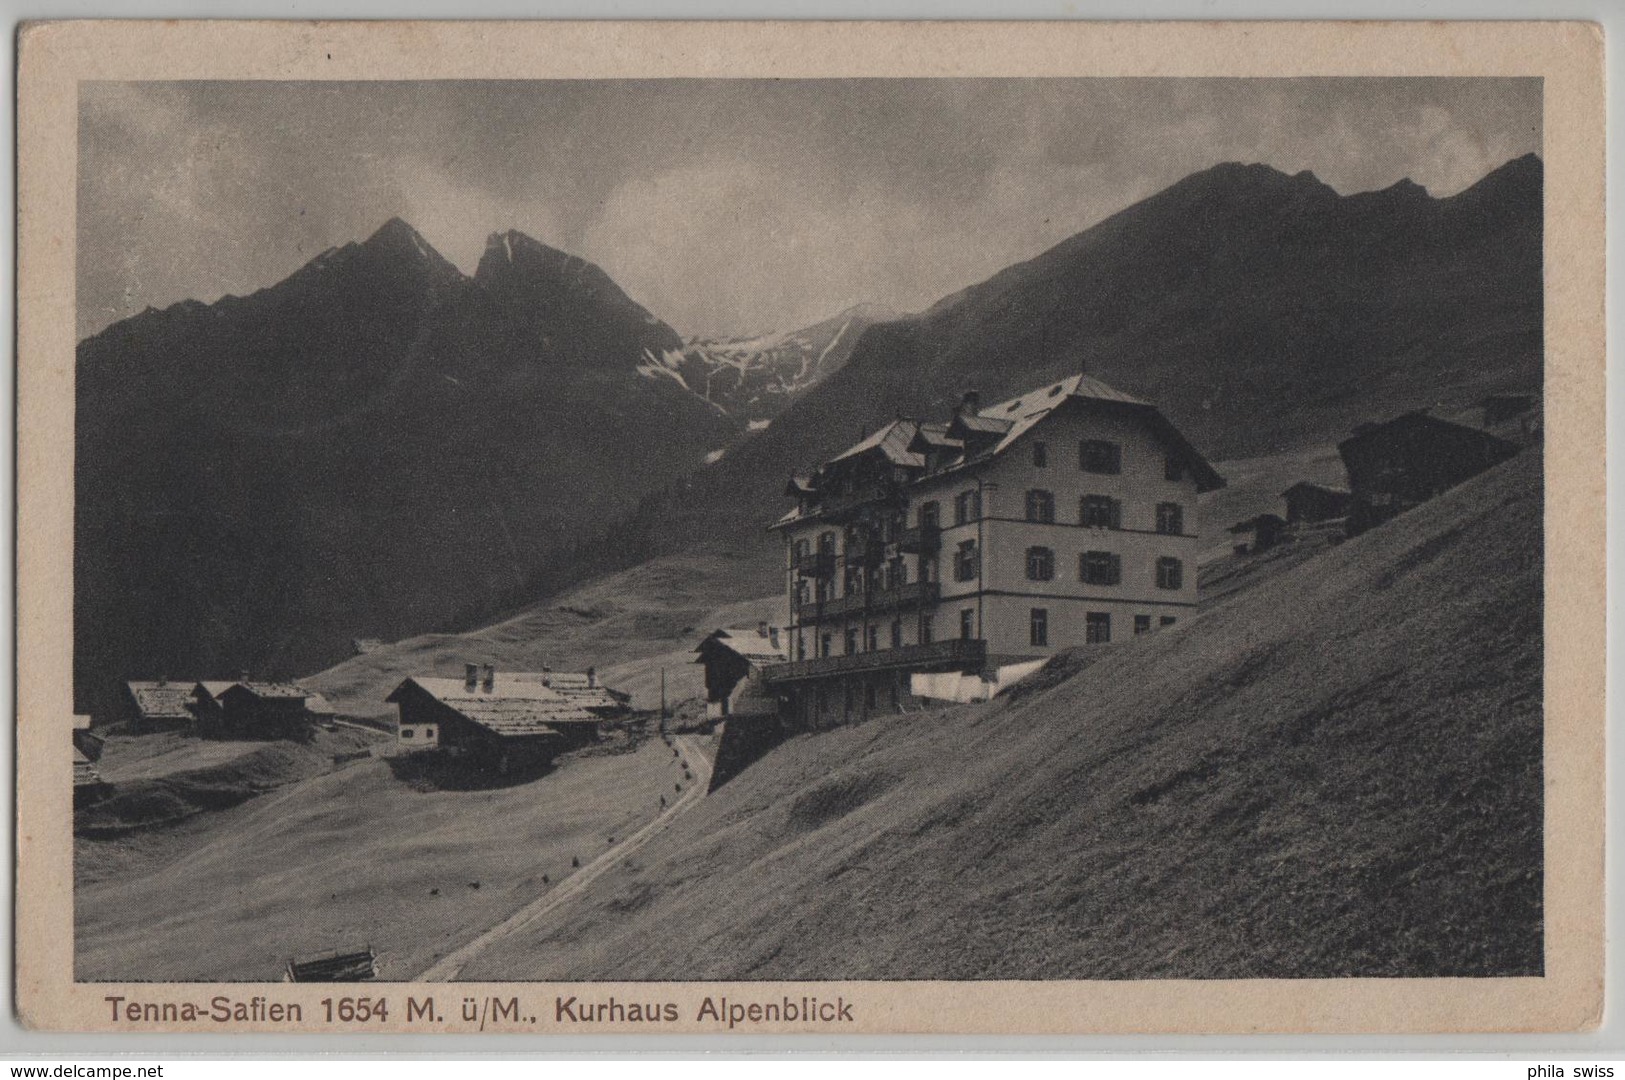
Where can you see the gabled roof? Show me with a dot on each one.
(1249, 524)
(516, 705)
(588, 693)
(747, 642)
(161, 700)
(1021, 413)
(892, 441)
(268, 691)
(212, 689)
(1305, 485)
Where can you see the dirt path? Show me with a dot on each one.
(448, 967)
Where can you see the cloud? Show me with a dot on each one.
(725, 207)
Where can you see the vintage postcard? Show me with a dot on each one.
(810, 528)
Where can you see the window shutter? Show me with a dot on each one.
(1114, 576)
(1117, 514)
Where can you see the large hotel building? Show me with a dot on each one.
(1066, 516)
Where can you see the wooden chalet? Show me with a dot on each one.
(159, 705)
(250, 709)
(1308, 503)
(1410, 459)
(504, 722)
(733, 659)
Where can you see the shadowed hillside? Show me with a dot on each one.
(376, 446)
(1338, 773)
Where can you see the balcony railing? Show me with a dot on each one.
(920, 540)
(965, 654)
(815, 564)
(903, 597)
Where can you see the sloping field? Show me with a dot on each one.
(348, 859)
(629, 625)
(1337, 772)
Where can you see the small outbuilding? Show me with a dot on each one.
(338, 967)
(1308, 503)
(1258, 533)
(733, 660)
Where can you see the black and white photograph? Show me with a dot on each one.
(838, 530)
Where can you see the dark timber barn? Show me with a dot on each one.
(1410, 459)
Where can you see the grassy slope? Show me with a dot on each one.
(348, 859)
(628, 625)
(1336, 773)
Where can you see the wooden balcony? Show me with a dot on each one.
(903, 598)
(962, 654)
(920, 540)
(815, 564)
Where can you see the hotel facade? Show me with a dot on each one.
(1065, 516)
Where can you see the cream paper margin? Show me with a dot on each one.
(54, 57)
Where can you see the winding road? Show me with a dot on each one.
(448, 967)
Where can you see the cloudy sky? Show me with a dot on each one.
(724, 207)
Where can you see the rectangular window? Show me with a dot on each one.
(1171, 518)
(1040, 455)
(1040, 506)
(967, 566)
(851, 641)
(1038, 627)
(824, 645)
(1173, 468)
(1170, 574)
(1100, 568)
(1040, 564)
(1097, 627)
(826, 543)
(1142, 625)
(873, 644)
(927, 631)
(930, 514)
(967, 506)
(1167, 620)
(967, 623)
(801, 549)
(406, 733)
(897, 633)
(1099, 456)
(1100, 512)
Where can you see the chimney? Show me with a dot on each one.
(761, 628)
(592, 678)
(490, 676)
(547, 673)
(163, 680)
(471, 676)
(242, 676)
(971, 403)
